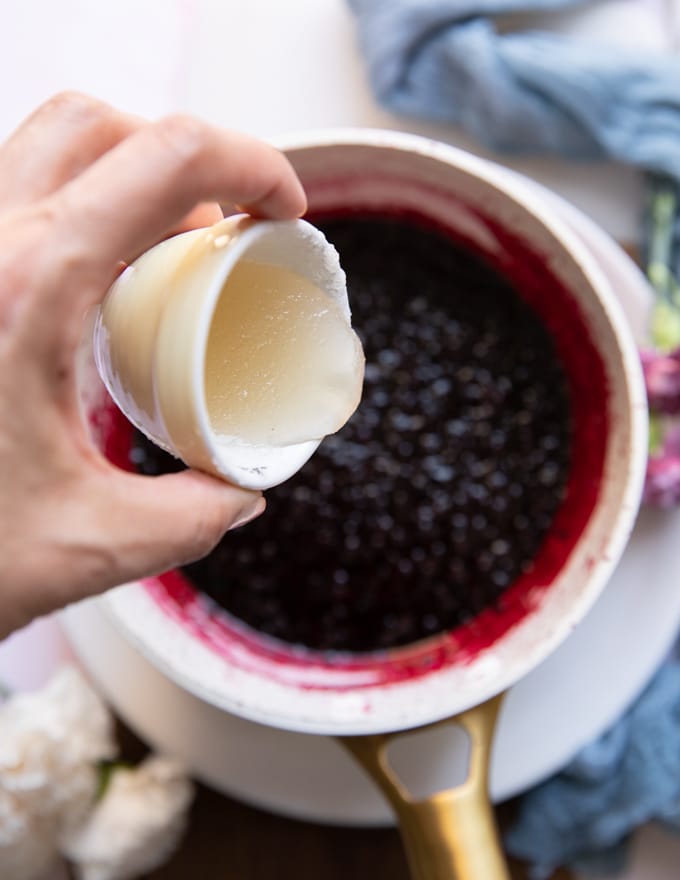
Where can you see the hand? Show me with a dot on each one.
(82, 188)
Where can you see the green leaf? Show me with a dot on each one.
(665, 326)
(662, 209)
(655, 434)
(106, 771)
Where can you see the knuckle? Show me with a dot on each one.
(44, 233)
(52, 250)
(43, 217)
(74, 104)
(24, 236)
(184, 136)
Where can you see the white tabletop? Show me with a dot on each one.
(270, 67)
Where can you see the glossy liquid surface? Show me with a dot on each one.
(282, 363)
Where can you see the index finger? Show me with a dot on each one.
(128, 200)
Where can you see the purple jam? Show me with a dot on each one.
(440, 490)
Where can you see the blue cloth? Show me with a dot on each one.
(527, 92)
(631, 775)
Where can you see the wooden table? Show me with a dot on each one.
(227, 840)
(230, 841)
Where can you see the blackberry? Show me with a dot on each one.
(438, 493)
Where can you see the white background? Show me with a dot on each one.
(267, 67)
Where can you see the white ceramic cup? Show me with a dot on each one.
(489, 208)
(152, 329)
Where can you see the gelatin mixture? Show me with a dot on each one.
(280, 358)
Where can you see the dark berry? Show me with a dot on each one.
(439, 491)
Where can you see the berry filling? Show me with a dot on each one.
(440, 491)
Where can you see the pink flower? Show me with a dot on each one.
(662, 485)
(662, 377)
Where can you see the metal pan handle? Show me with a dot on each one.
(452, 834)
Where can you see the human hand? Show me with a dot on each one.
(83, 188)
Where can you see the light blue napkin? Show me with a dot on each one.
(631, 775)
(527, 92)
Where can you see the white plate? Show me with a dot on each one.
(571, 698)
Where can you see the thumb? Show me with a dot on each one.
(157, 523)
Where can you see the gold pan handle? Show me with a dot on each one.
(452, 834)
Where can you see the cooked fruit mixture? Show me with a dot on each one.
(439, 491)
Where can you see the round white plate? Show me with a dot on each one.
(571, 698)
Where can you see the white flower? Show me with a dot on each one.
(50, 742)
(136, 825)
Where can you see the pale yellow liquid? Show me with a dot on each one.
(282, 364)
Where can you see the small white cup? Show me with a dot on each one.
(152, 329)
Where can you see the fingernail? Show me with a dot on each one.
(250, 512)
